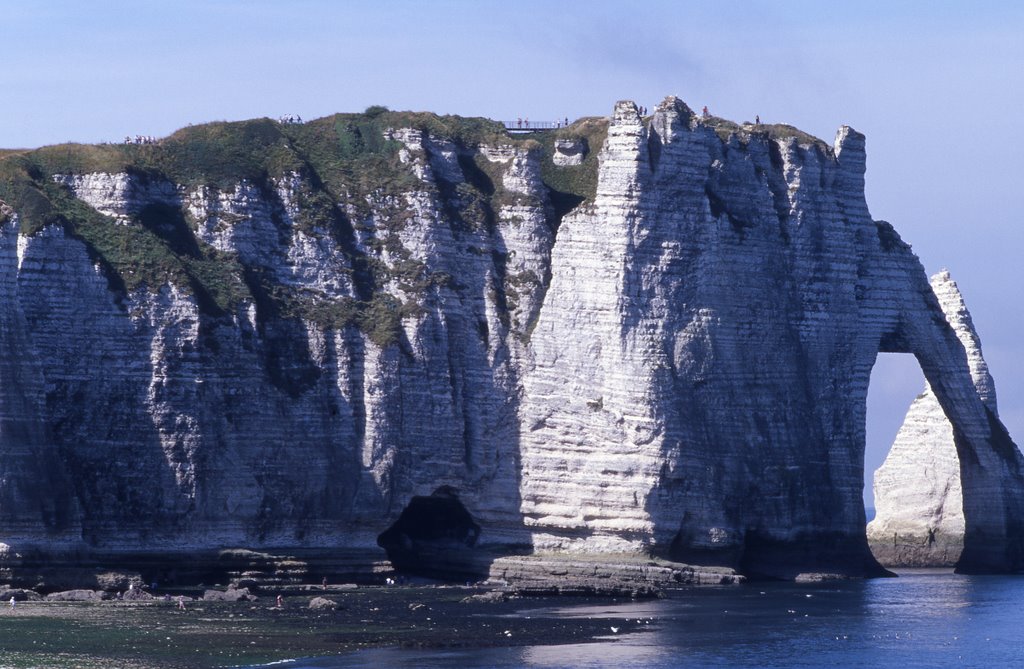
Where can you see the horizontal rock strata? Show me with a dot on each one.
(615, 576)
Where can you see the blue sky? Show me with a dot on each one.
(936, 86)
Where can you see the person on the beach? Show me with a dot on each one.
(181, 603)
(13, 601)
(280, 602)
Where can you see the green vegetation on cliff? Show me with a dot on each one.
(350, 170)
(131, 255)
(572, 185)
(354, 181)
(776, 131)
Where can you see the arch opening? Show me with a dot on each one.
(912, 490)
(435, 536)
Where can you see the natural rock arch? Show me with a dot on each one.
(718, 312)
(918, 498)
(989, 461)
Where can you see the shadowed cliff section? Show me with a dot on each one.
(35, 486)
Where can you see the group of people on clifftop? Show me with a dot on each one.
(524, 124)
(139, 139)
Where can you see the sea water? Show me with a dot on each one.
(922, 619)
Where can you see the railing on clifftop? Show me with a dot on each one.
(530, 126)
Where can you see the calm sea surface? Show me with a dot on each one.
(922, 619)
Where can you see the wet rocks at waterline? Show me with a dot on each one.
(629, 337)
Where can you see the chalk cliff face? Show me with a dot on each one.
(919, 519)
(672, 361)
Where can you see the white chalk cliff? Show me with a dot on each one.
(284, 343)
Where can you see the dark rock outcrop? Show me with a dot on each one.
(78, 596)
(323, 604)
(136, 595)
(19, 595)
(229, 595)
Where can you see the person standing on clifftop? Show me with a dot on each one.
(705, 112)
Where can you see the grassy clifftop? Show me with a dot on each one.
(344, 158)
(776, 131)
(220, 154)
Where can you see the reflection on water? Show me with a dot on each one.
(634, 650)
(923, 619)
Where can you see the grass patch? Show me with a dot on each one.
(215, 154)
(777, 131)
(151, 253)
(781, 131)
(573, 185)
(724, 128)
(352, 156)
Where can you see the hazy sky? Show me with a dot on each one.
(936, 87)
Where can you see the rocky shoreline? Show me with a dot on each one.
(260, 607)
(542, 574)
(250, 626)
